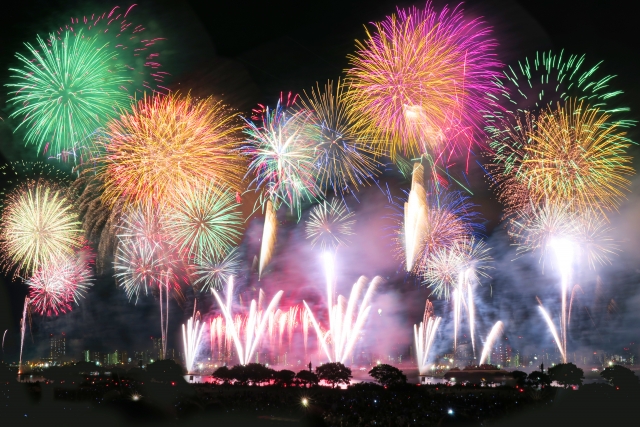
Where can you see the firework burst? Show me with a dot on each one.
(204, 221)
(344, 163)
(169, 142)
(330, 224)
(214, 271)
(421, 80)
(65, 90)
(454, 267)
(548, 78)
(133, 44)
(38, 226)
(569, 154)
(282, 156)
(53, 289)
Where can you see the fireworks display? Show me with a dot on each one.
(330, 225)
(166, 143)
(421, 80)
(38, 226)
(166, 190)
(344, 161)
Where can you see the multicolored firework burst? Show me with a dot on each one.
(569, 154)
(53, 288)
(344, 161)
(169, 142)
(204, 221)
(282, 156)
(422, 80)
(66, 89)
(330, 224)
(38, 226)
(214, 271)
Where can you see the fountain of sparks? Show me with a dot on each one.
(346, 318)
(424, 336)
(254, 325)
(23, 328)
(191, 334)
(554, 331)
(415, 216)
(564, 253)
(463, 297)
(496, 331)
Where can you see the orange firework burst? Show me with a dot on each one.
(421, 80)
(168, 142)
(569, 154)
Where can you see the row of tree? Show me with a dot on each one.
(568, 374)
(331, 373)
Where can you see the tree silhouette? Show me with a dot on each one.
(334, 373)
(388, 375)
(307, 377)
(620, 376)
(537, 378)
(566, 374)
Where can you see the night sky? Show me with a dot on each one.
(248, 52)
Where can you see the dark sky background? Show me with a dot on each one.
(248, 52)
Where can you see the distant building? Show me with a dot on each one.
(58, 348)
(86, 356)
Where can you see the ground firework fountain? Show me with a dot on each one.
(423, 337)
(254, 325)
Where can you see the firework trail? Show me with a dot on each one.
(38, 225)
(496, 331)
(269, 235)
(205, 222)
(23, 328)
(343, 161)
(554, 332)
(66, 89)
(421, 81)
(3, 337)
(447, 218)
(213, 271)
(424, 335)
(167, 143)
(346, 319)
(254, 326)
(416, 216)
(330, 224)
(191, 334)
(573, 292)
(281, 157)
